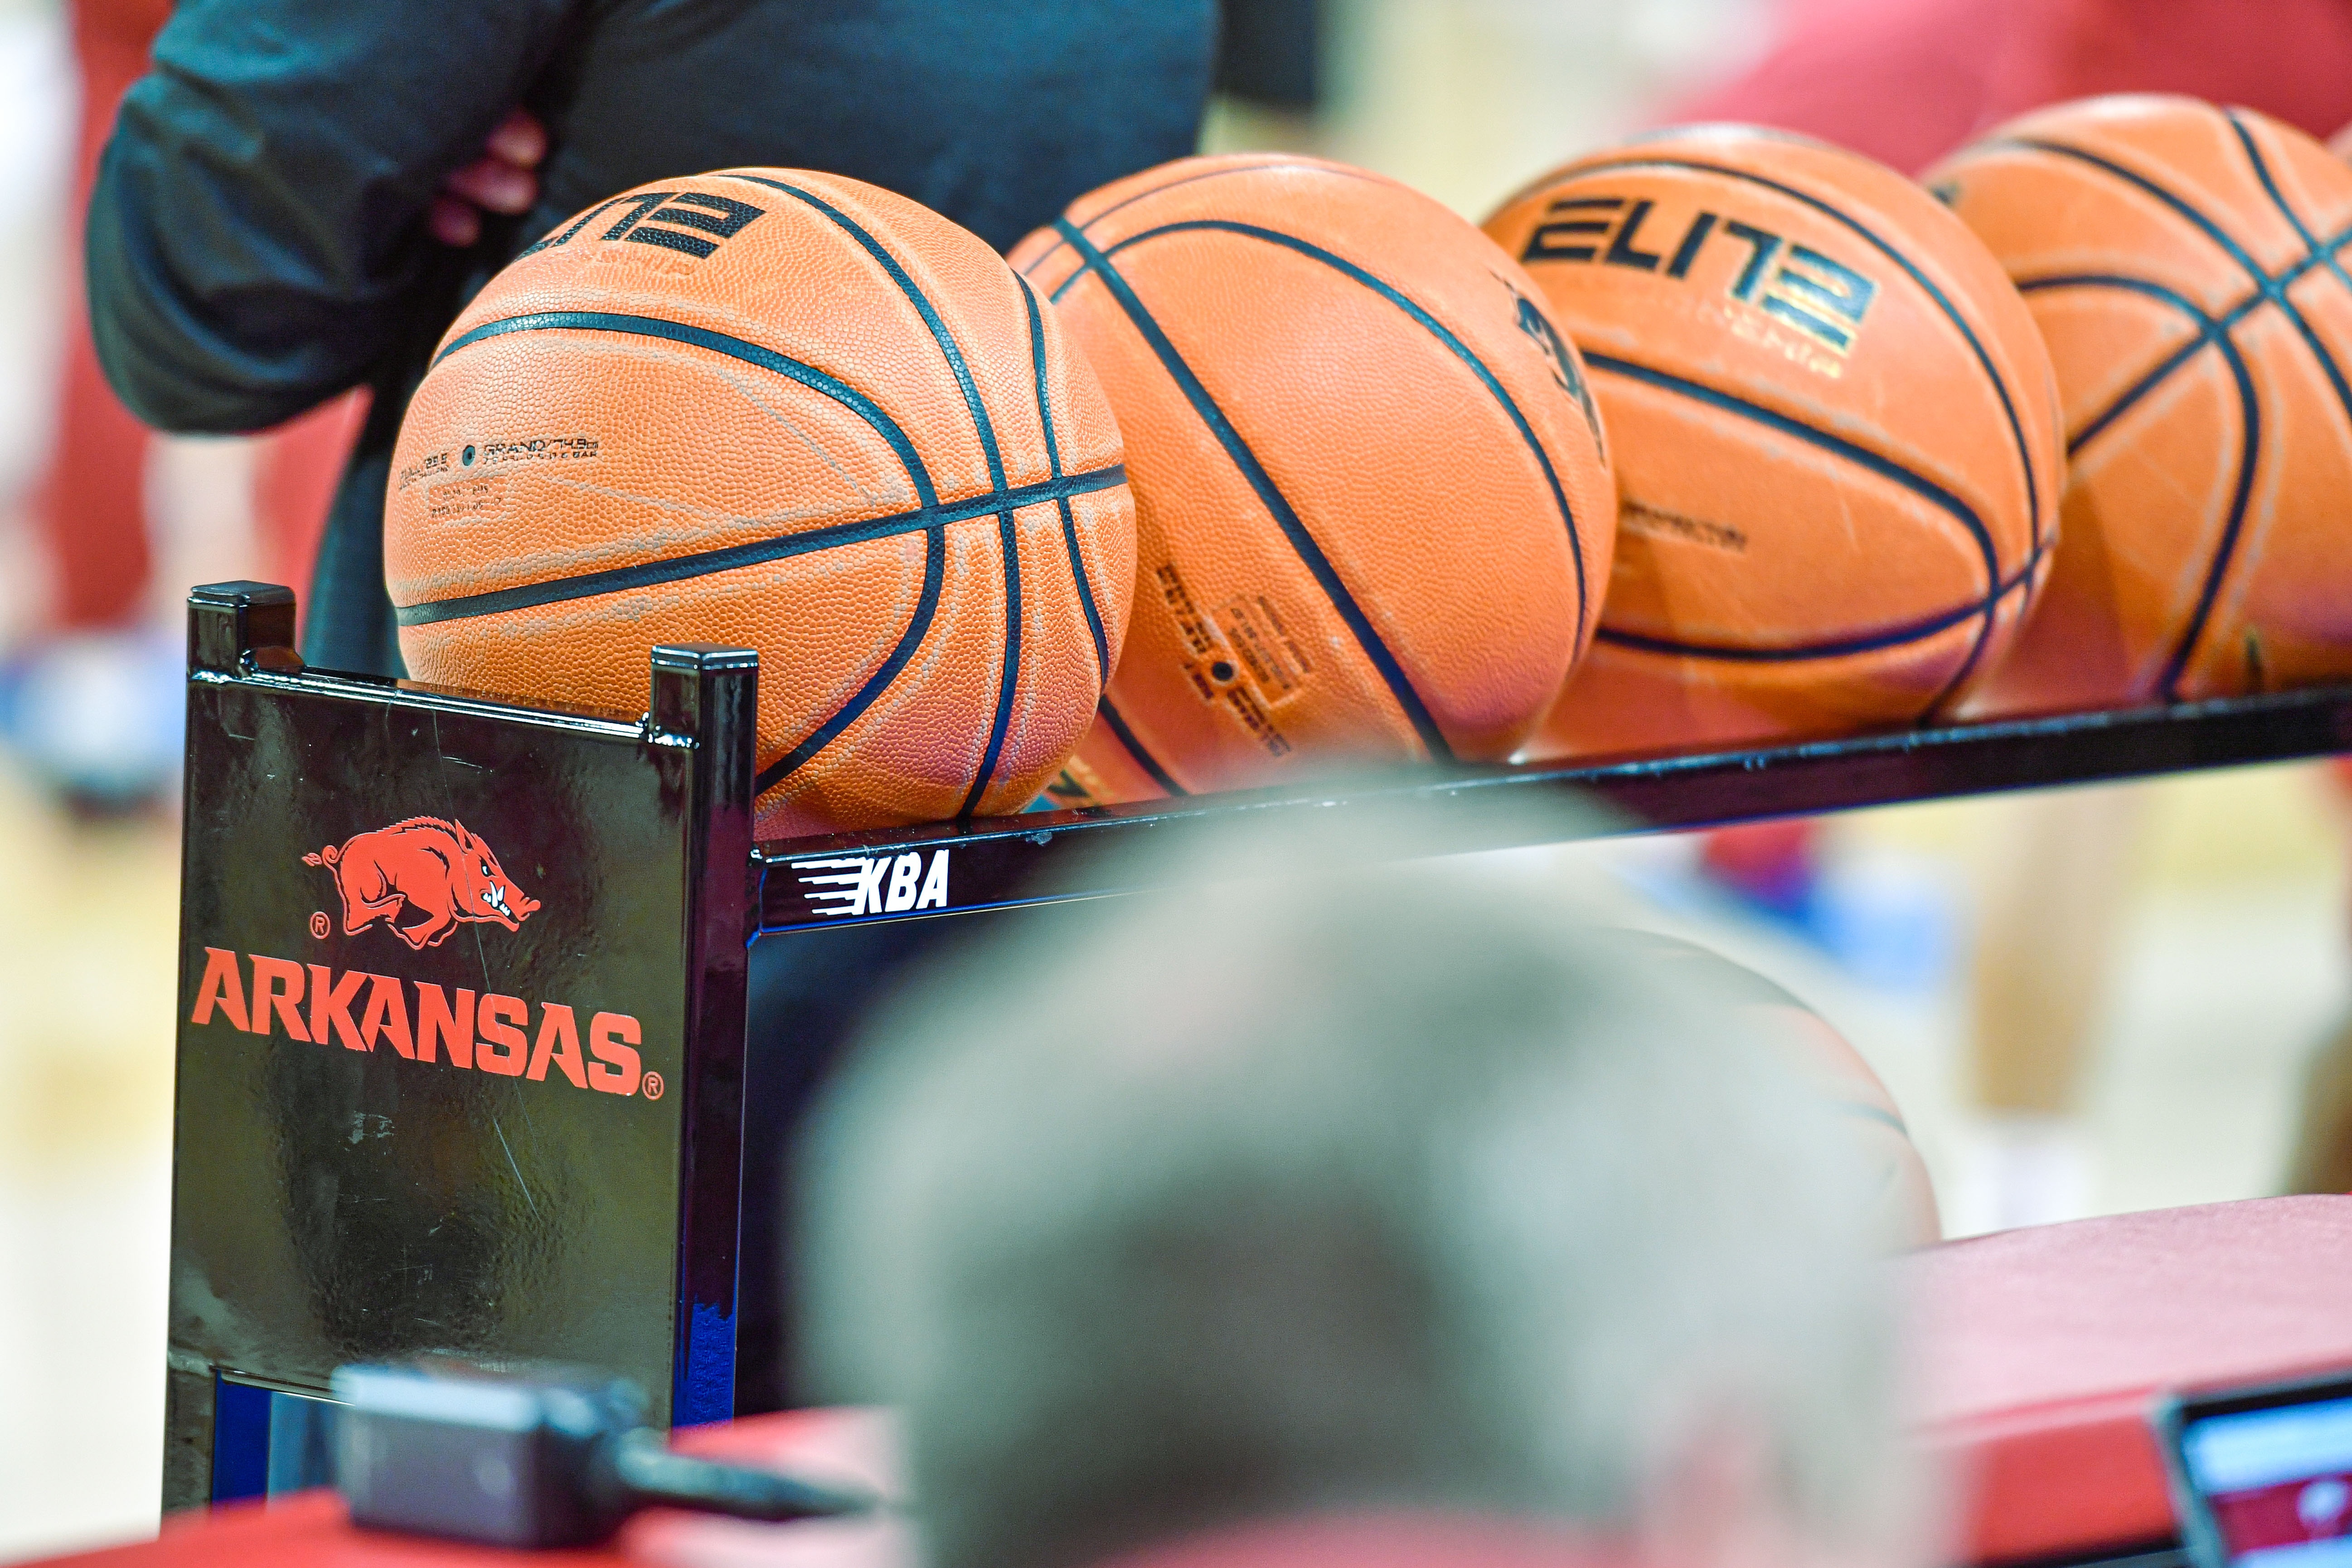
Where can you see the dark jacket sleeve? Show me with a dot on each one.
(256, 239)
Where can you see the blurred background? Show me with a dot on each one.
(2206, 950)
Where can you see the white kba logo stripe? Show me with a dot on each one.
(875, 884)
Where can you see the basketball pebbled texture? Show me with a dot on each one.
(2186, 266)
(1836, 438)
(789, 412)
(1373, 508)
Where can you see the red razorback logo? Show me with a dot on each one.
(434, 867)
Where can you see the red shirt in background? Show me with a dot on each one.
(1909, 80)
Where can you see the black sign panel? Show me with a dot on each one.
(460, 1027)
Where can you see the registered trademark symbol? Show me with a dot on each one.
(318, 924)
(652, 1086)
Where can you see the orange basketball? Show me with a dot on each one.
(1373, 515)
(789, 412)
(2183, 262)
(1836, 437)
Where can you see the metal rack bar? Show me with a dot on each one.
(1049, 856)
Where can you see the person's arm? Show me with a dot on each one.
(262, 231)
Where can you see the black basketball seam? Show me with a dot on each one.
(2311, 248)
(1569, 171)
(918, 626)
(948, 347)
(2180, 206)
(791, 369)
(741, 349)
(2210, 331)
(1137, 750)
(2323, 252)
(983, 426)
(1008, 536)
(2216, 326)
(1276, 165)
(1805, 653)
(1976, 345)
(1998, 587)
(733, 557)
(2225, 556)
(1421, 317)
(1053, 463)
(1869, 1112)
(2268, 290)
(1286, 519)
(2139, 391)
(2249, 447)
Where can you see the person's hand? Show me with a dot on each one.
(503, 180)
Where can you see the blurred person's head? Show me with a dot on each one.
(1332, 1190)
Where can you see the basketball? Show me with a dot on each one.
(2182, 262)
(788, 412)
(1835, 432)
(1902, 1211)
(1373, 511)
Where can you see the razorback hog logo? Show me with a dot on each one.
(433, 868)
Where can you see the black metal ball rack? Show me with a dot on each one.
(462, 988)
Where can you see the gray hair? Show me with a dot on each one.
(1337, 1187)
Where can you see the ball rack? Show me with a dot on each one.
(1049, 856)
(341, 1191)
